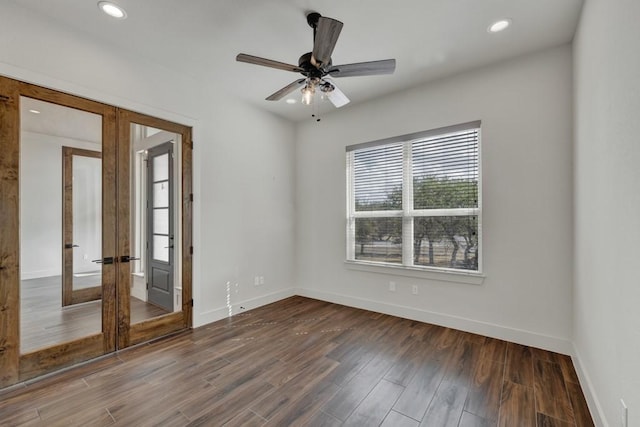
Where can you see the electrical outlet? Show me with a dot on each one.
(624, 414)
(262, 280)
(414, 289)
(85, 256)
(256, 281)
(392, 286)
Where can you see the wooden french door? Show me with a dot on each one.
(138, 135)
(39, 332)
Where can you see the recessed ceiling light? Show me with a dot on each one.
(112, 9)
(500, 25)
(34, 111)
(291, 101)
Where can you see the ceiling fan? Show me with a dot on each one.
(316, 66)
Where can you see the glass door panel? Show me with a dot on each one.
(152, 283)
(60, 223)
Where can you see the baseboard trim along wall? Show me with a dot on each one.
(220, 313)
(588, 390)
(518, 336)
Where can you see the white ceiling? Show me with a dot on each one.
(428, 38)
(64, 122)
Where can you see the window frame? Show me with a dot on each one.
(408, 213)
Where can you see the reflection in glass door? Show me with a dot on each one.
(60, 224)
(81, 225)
(160, 255)
(153, 281)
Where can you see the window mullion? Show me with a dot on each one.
(407, 205)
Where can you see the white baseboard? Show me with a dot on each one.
(26, 275)
(588, 390)
(519, 336)
(220, 313)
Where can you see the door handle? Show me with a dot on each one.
(107, 260)
(127, 258)
(71, 245)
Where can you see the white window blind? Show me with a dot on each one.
(415, 200)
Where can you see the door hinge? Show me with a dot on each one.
(191, 197)
(147, 285)
(190, 250)
(191, 302)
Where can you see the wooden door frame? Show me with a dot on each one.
(15, 367)
(69, 295)
(156, 327)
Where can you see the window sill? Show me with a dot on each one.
(421, 273)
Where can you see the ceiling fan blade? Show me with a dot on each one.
(326, 36)
(337, 97)
(371, 68)
(250, 59)
(286, 90)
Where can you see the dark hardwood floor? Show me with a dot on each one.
(45, 322)
(310, 363)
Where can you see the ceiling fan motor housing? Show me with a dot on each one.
(309, 69)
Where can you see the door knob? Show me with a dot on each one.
(71, 245)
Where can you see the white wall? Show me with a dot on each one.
(41, 205)
(243, 157)
(526, 114)
(607, 203)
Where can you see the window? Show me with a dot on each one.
(414, 200)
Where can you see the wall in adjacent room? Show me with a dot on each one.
(41, 207)
(243, 157)
(607, 202)
(525, 106)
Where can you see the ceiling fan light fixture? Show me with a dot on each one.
(307, 93)
(112, 9)
(500, 25)
(327, 87)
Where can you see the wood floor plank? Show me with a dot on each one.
(470, 420)
(19, 417)
(568, 371)
(517, 406)
(551, 392)
(418, 394)
(322, 419)
(494, 349)
(408, 364)
(396, 419)
(461, 363)
(221, 405)
(354, 392)
(519, 365)
(579, 405)
(295, 389)
(375, 407)
(485, 389)
(246, 419)
(299, 412)
(547, 421)
(447, 405)
(350, 364)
